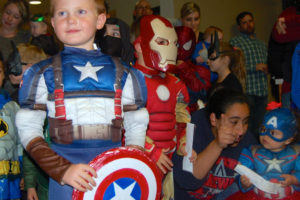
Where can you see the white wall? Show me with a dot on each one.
(221, 13)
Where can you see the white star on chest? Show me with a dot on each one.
(274, 164)
(88, 71)
(123, 194)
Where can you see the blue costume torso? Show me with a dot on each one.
(271, 165)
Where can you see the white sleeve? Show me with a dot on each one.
(30, 124)
(135, 124)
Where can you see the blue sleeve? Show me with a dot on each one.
(140, 89)
(196, 51)
(247, 160)
(29, 84)
(295, 76)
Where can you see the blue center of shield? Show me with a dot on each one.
(123, 188)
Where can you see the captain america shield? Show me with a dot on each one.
(123, 173)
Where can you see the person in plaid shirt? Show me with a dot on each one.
(255, 52)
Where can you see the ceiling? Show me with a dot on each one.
(34, 9)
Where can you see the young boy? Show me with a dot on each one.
(41, 36)
(10, 146)
(87, 96)
(274, 159)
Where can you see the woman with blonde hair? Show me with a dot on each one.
(190, 17)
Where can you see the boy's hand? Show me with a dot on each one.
(225, 133)
(31, 194)
(164, 162)
(246, 183)
(21, 184)
(288, 180)
(79, 176)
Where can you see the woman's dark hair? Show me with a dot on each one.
(222, 98)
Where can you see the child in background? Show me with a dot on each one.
(34, 177)
(275, 159)
(10, 146)
(200, 55)
(41, 36)
(229, 65)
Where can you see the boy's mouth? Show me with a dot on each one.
(73, 31)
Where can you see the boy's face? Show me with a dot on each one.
(271, 144)
(38, 28)
(76, 21)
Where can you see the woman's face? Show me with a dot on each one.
(236, 119)
(192, 21)
(11, 17)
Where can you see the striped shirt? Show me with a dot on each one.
(255, 52)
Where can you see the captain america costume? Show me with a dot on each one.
(271, 165)
(89, 87)
(271, 161)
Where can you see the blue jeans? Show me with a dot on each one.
(257, 112)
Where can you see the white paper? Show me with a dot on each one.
(187, 165)
(257, 180)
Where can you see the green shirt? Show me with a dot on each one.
(255, 52)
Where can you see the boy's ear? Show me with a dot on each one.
(101, 21)
(213, 119)
(137, 47)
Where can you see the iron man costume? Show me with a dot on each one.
(167, 96)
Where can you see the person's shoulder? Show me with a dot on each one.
(24, 34)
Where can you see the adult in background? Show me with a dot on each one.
(190, 17)
(255, 52)
(142, 7)
(14, 14)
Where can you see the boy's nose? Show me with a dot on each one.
(72, 19)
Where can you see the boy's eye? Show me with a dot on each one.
(162, 41)
(62, 13)
(82, 11)
(272, 132)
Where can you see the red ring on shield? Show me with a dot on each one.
(123, 163)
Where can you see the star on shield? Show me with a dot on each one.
(274, 164)
(123, 193)
(88, 71)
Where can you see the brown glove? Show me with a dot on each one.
(53, 164)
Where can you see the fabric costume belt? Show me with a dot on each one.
(9, 167)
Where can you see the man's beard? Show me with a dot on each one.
(248, 31)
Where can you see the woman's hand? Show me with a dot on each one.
(225, 135)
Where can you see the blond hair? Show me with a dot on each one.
(189, 8)
(237, 62)
(23, 8)
(100, 6)
(30, 54)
